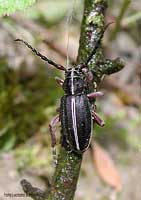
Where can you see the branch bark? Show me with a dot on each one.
(65, 178)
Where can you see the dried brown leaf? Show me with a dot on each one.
(106, 167)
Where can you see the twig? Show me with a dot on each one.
(131, 19)
(33, 192)
(123, 9)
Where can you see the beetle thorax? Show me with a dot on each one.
(74, 83)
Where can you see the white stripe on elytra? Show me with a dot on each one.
(73, 109)
(72, 81)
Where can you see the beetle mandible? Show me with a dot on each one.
(76, 110)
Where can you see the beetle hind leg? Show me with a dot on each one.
(97, 119)
(95, 116)
(52, 130)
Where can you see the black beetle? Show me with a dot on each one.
(76, 108)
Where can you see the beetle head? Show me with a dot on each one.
(74, 83)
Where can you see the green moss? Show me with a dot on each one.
(96, 19)
(22, 104)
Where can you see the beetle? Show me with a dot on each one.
(76, 110)
(76, 107)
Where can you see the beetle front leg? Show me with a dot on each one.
(52, 124)
(97, 119)
(59, 81)
(93, 95)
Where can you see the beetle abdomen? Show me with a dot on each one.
(76, 121)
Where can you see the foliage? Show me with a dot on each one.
(10, 6)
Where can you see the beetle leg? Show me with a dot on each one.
(94, 95)
(52, 124)
(97, 119)
(59, 81)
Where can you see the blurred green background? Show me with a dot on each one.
(29, 96)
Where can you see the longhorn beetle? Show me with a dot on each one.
(76, 110)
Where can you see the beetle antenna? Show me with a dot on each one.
(97, 44)
(58, 66)
(69, 21)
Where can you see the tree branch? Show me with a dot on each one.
(34, 192)
(66, 174)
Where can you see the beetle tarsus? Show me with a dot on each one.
(52, 124)
(54, 156)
